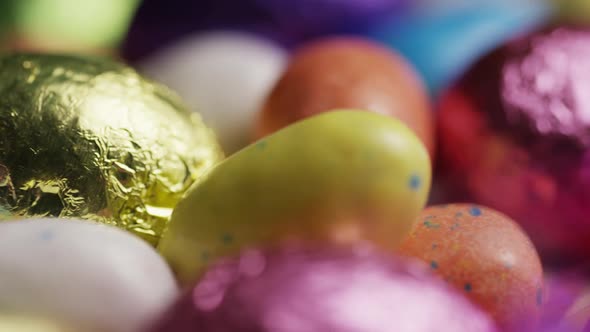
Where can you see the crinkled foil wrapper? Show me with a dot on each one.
(515, 132)
(86, 137)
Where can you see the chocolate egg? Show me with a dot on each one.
(486, 256)
(319, 290)
(86, 137)
(514, 134)
(223, 75)
(348, 73)
(86, 275)
(342, 176)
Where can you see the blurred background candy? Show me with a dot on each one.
(158, 22)
(60, 25)
(341, 176)
(348, 73)
(576, 11)
(514, 134)
(87, 137)
(319, 290)
(16, 323)
(443, 38)
(223, 75)
(486, 256)
(86, 275)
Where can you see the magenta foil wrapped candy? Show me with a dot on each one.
(515, 135)
(325, 290)
(567, 307)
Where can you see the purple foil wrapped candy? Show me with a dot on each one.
(290, 22)
(567, 307)
(336, 290)
(515, 133)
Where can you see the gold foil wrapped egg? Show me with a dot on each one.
(90, 138)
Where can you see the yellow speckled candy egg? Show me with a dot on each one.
(341, 176)
(87, 137)
(12, 323)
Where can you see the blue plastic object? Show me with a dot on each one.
(444, 41)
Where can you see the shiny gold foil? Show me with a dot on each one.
(86, 137)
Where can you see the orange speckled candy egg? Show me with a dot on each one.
(487, 256)
(353, 73)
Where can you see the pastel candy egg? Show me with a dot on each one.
(223, 75)
(65, 25)
(486, 256)
(12, 323)
(89, 276)
(341, 176)
(348, 72)
(321, 290)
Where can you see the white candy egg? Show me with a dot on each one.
(223, 75)
(89, 276)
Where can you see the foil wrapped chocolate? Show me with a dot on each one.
(86, 137)
(320, 290)
(515, 133)
(290, 22)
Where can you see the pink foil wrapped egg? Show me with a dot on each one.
(515, 134)
(294, 290)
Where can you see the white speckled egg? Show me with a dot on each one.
(89, 276)
(223, 75)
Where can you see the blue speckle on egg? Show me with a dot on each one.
(227, 238)
(475, 211)
(467, 287)
(415, 182)
(46, 235)
(261, 145)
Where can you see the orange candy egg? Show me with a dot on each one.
(340, 73)
(487, 256)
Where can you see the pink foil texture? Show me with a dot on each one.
(322, 290)
(515, 135)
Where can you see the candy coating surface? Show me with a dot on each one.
(223, 75)
(349, 73)
(82, 274)
(486, 256)
(342, 176)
